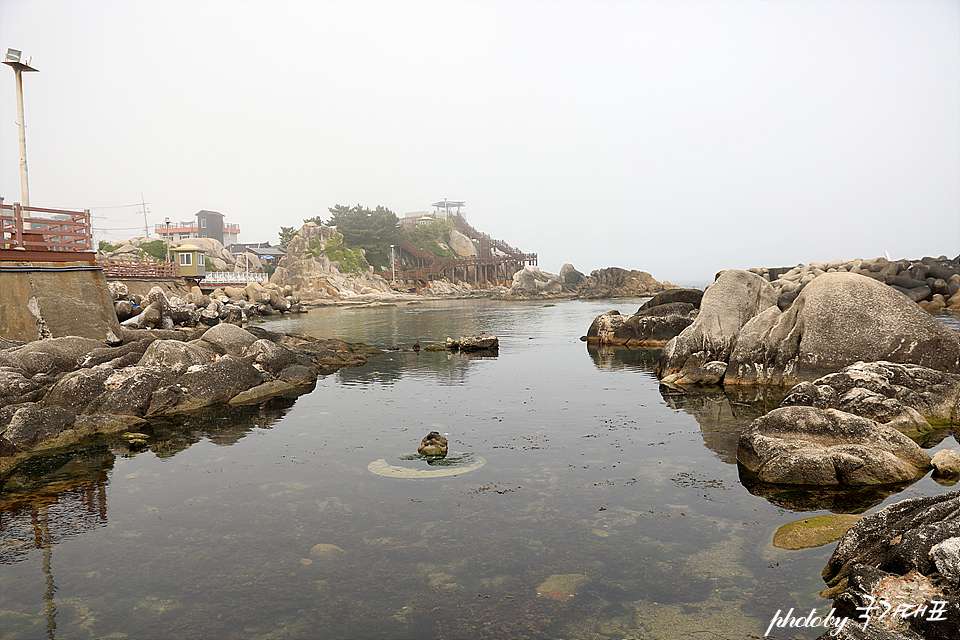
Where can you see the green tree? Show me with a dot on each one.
(371, 230)
(155, 248)
(107, 247)
(428, 237)
(286, 235)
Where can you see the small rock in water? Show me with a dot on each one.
(946, 462)
(433, 444)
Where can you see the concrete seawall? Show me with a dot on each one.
(55, 299)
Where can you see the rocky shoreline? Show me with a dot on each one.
(59, 390)
(869, 371)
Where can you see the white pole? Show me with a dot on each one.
(24, 181)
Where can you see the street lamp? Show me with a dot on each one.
(167, 221)
(13, 60)
(393, 267)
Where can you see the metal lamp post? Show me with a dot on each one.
(167, 221)
(393, 267)
(13, 60)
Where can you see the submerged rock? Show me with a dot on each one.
(561, 586)
(814, 532)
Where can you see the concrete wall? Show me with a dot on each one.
(55, 299)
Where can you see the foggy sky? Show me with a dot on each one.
(676, 137)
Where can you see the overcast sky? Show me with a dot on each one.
(676, 137)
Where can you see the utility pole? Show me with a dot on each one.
(13, 61)
(146, 229)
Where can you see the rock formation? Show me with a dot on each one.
(58, 385)
(907, 554)
(838, 319)
(654, 324)
(906, 397)
(230, 304)
(531, 282)
(315, 277)
(433, 444)
(806, 445)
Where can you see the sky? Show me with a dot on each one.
(678, 137)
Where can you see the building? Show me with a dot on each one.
(209, 224)
(266, 253)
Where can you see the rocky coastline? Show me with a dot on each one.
(869, 372)
(59, 390)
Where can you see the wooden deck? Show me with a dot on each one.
(34, 234)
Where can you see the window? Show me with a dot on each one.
(203, 223)
(186, 259)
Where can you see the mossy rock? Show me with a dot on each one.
(814, 532)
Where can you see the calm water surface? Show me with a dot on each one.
(265, 522)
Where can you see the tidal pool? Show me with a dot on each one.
(606, 506)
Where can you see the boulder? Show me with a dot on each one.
(177, 356)
(270, 356)
(837, 320)
(726, 306)
(479, 342)
(77, 389)
(614, 281)
(946, 462)
(806, 445)
(227, 338)
(24, 425)
(649, 327)
(906, 397)
(570, 279)
(128, 391)
(433, 444)
(891, 555)
(216, 383)
(53, 355)
(461, 245)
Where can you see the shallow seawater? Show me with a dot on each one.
(606, 506)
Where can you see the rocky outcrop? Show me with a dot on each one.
(906, 397)
(905, 554)
(479, 342)
(838, 319)
(806, 445)
(659, 320)
(614, 282)
(532, 282)
(315, 277)
(46, 385)
(725, 308)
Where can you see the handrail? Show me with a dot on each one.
(26, 228)
(119, 270)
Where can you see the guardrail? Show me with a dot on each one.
(37, 229)
(218, 278)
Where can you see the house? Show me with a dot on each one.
(266, 253)
(191, 260)
(209, 224)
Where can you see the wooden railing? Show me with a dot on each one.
(36, 229)
(140, 270)
(464, 227)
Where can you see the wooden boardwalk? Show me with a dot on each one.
(495, 263)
